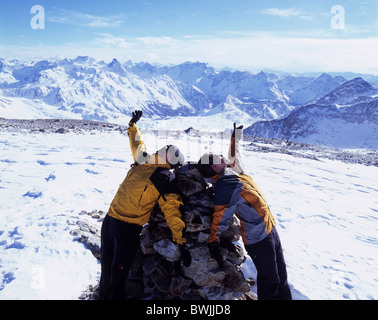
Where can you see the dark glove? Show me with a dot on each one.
(215, 252)
(136, 116)
(185, 255)
(228, 245)
(237, 128)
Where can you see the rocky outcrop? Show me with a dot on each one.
(61, 126)
(87, 230)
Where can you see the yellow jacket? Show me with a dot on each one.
(147, 184)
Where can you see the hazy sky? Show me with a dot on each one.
(287, 35)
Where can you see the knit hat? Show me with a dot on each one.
(173, 155)
(205, 163)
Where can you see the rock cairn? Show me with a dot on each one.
(158, 273)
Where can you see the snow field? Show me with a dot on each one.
(327, 218)
(326, 212)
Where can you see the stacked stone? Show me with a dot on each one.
(157, 271)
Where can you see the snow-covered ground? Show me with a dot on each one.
(326, 211)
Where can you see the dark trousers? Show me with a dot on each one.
(119, 244)
(270, 264)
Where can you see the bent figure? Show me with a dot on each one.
(237, 193)
(148, 183)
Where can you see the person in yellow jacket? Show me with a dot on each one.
(148, 183)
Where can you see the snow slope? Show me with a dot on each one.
(326, 212)
(23, 108)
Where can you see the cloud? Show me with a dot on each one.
(287, 13)
(245, 51)
(253, 51)
(109, 41)
(79, 19)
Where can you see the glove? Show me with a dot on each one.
(185, 255)
(237, 128)
(136, 116)
(215, 252)
(228, 245)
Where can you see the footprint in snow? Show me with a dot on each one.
(7, 278)
(50, 177)
(91, 171)
(33, 194)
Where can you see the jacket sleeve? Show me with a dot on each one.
(137, 145)
(222, 218)
(170, 204)
(227, 194)
(234, 154)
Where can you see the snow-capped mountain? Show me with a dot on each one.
(187, 72)
(96, 90)
(99, 91)
(195, 94)
(350, 92)
(346, 117)
(254, 94)
(104, 91)
(109, 91)
(302, 90)
(258, 94)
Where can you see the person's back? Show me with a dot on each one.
(239, 194)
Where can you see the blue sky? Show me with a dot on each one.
(286, 35)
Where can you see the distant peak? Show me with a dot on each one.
(196, 64)
(116, 67)
(114, 62)
(262, 75)
(358, 82)
(325, 76)
(83, 59)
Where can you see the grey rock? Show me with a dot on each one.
(167, 249)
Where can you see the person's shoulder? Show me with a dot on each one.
(161, 179)
(226, 187)
(228, 177)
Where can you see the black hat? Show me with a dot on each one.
(205, 163)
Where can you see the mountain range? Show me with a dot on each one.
(192, 93)
(346, 117)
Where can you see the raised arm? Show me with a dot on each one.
(234, 154)
(137, 145)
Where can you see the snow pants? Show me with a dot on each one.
(270, 264)
(119, 244)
